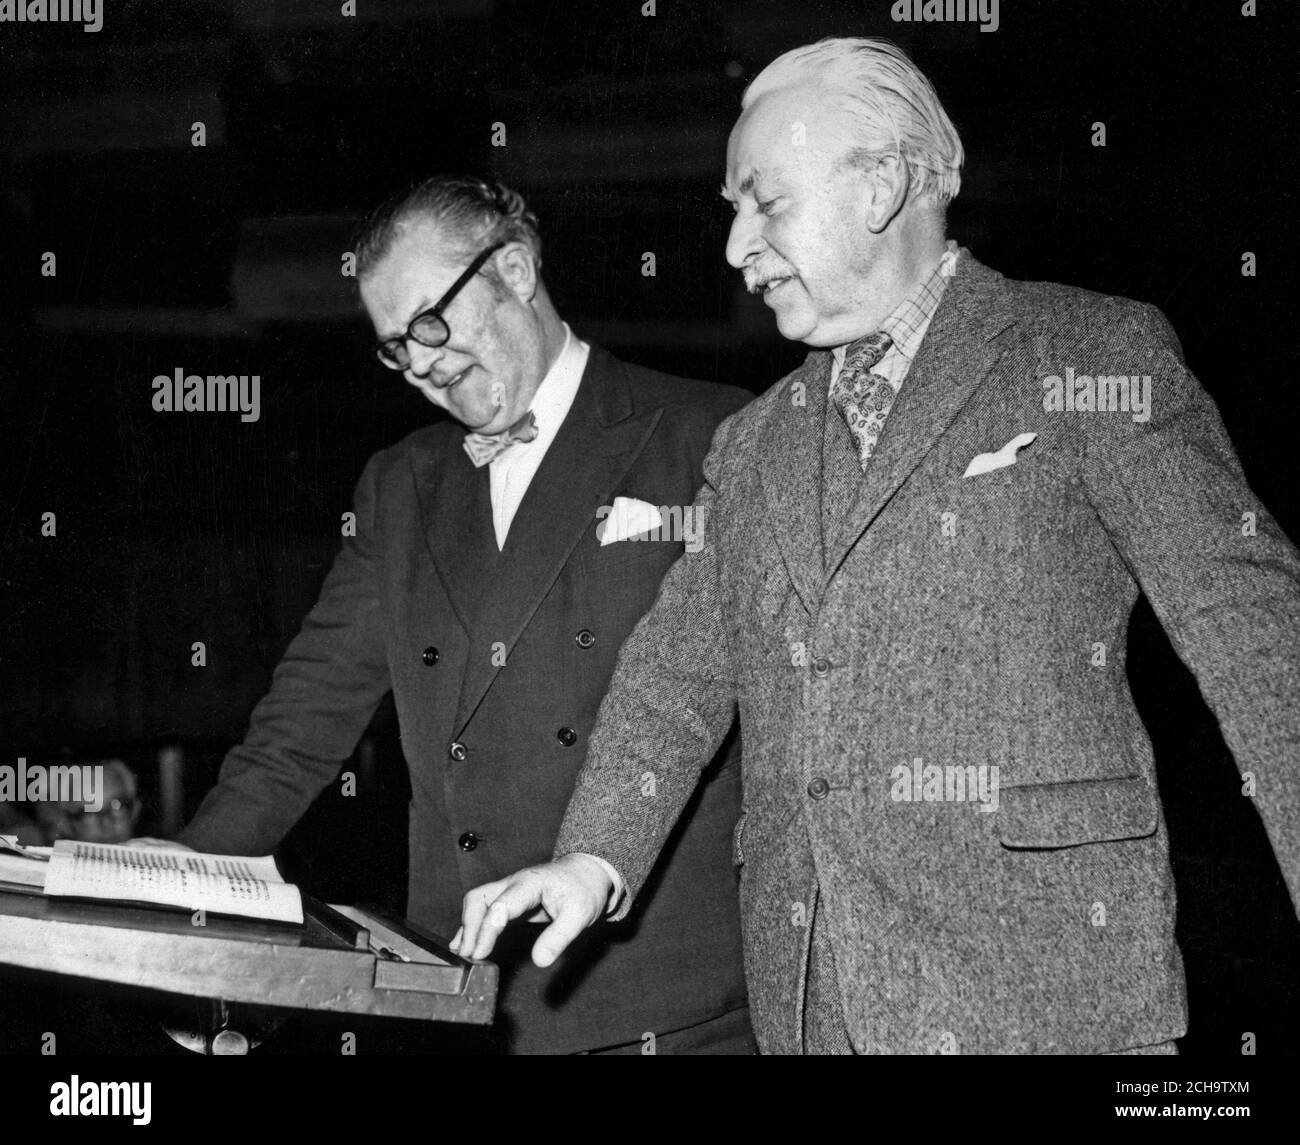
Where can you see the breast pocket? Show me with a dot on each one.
(1048, 816)
(630, 550)
(619, 583)
(996, 482)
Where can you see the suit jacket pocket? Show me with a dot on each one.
(620, 552)
(1055, 815)
(995, 481)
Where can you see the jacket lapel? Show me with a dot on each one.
(598, 443)
(456, 510)
(792, 472)
(956, 355)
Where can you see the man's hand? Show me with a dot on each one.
(573, 892)
(158, 844)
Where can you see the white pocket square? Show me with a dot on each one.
(627, 518)
(987, 462)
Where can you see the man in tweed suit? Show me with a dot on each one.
(922, 550)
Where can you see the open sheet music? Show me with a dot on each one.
(220, 884)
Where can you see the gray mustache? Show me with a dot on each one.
(757, 280)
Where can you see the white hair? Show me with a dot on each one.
(895, 109)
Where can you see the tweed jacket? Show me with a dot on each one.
(963, 624)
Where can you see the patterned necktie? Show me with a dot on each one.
(861, 397)
(483, 447)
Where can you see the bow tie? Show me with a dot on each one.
(483, 447)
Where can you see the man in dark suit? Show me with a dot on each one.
(491, 580)
(921, 555)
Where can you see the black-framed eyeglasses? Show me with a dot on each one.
(429, 327)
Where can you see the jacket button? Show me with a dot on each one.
(458, 751)
(429, 656)
(567, 736)
(821, 666)
(468, 841)
(819, 788)
(585, 639)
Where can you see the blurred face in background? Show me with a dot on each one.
(119, 809)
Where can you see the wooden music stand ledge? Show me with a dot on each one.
(342, 960)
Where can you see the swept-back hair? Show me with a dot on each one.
(470, 213)
(895, 109)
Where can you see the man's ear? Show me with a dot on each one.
(517, 266)
(887, 182)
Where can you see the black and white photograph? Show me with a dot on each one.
(648, 527)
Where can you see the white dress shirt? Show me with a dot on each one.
(511, 471)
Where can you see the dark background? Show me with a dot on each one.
(225, 259)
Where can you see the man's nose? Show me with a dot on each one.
(744, 241)
(423, 358)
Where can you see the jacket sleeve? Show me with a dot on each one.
(671, 702)
(322, 697)
(1223, 578)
